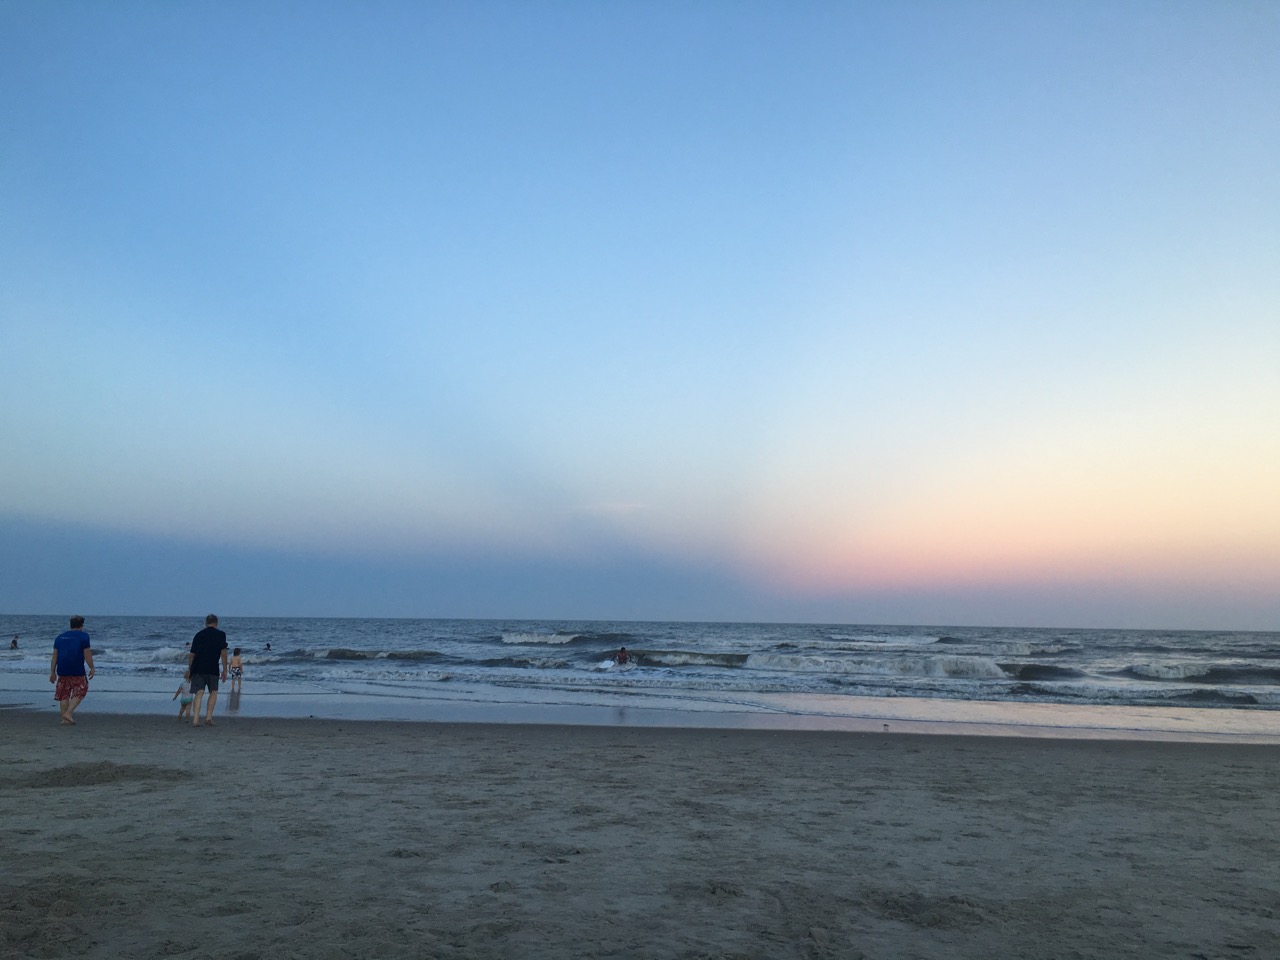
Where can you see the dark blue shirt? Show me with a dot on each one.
(206, 651)
(71, 645)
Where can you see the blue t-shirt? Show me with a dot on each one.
(71, 645)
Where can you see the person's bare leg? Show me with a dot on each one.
(63, 707)
(208, 717)
(71, 709)
(195, 708)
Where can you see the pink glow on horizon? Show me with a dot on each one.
(1010, 539)
(833, 573)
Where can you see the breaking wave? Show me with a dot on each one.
(1201, 673)
(529, 639)
(968, 668)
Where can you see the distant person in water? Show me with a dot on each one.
(237, 671)
(13, 644)
(66, 669)
(268, 648)
(622, 657)
(207, 648)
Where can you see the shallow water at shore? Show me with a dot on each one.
(782, 676)
(475, 703)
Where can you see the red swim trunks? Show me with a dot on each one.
(70, 688)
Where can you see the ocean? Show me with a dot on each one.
(403, 667)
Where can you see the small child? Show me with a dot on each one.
(237, 671)
(184, 691)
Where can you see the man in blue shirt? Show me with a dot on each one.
(66, 669)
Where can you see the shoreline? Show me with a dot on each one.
(513, 706)
(475, 841)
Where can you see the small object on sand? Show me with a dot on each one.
(886, 728)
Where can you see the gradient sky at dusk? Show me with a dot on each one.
(864, 312)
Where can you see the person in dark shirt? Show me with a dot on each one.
(66, 669)
(207, 648)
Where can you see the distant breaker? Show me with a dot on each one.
(529, 639)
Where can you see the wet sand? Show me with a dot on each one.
(260, 838)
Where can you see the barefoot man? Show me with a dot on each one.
(207, 647)
(66, 669)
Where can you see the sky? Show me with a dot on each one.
(863, 312)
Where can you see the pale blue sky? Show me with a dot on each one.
(949, 312)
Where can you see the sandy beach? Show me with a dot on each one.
(137, 836)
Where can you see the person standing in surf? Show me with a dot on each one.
(207, 648)
(66, 669)
(237, 671)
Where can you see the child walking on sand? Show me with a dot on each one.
(237, 671)
(184, 691)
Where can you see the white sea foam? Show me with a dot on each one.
(912, 645)
(973, 668)
(122, 654)
(1022, 649)
(533, 638)
(681, 658)
(1167, 671)
(904, 639)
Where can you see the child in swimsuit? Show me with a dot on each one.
(237, 671)
(184, 691)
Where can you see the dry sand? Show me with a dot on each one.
(138, 837)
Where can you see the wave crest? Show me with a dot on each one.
(968, 668)
(529, 639)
